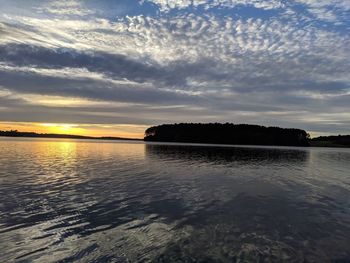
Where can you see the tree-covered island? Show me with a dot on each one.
(227, 133)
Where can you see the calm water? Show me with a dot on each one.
(86, 201)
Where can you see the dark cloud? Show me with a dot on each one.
(248, 73)
(31, 83)
(112, 65)
(117, 66)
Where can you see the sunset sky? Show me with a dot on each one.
(116, 67)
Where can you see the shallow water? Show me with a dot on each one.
(93, 201)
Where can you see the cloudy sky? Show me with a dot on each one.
(115, 67)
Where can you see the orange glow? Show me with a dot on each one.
(64, 129)
(94, 130)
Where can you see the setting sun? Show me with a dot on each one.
(63, 128)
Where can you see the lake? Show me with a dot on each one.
(94, 201)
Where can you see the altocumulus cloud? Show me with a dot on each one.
(147, 62)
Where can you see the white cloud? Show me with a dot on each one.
(335, 11)
(166, 5)
(328, 10)
(66, 7)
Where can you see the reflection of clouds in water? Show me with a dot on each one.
(220, 173)
(265, 204)
(264, 229)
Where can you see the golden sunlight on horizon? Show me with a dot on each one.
(94, 130)
(64, 128)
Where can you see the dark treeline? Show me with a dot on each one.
(227, 133)
(15, 133)
(332, 141)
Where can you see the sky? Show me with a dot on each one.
(116, 67)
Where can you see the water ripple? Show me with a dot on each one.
(66, 200)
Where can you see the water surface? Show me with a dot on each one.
(93, 201)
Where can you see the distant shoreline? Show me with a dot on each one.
(17, 134)
(340, 141)
(59, 136)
